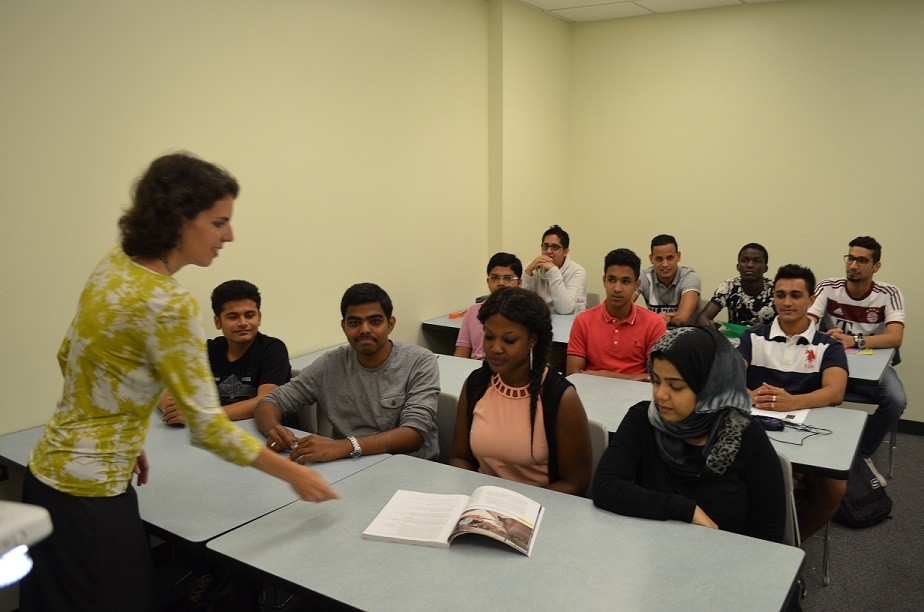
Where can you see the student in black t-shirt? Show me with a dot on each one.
(245, 363)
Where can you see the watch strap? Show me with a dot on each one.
(357, 449)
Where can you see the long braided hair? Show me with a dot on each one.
(529, 310)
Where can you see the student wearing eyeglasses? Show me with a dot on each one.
(555, 277)
(504, 270)
(861, 313)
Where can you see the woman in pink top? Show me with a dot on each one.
(517, 418)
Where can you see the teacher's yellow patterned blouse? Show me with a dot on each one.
(134, 333)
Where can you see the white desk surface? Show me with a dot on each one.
(864, 369)
(453, 372)
(15, 447)
(192, 493)
(868, 369)
(607, 400)
(829, 455)
(584, 558)
(561, 326)
(303, 360)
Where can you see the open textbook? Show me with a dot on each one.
(434, 519)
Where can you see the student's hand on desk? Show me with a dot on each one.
(318, 448)
(172, 416)
(701, 518)
(281, 439)
(768, 397)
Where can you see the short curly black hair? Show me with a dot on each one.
(174, 189)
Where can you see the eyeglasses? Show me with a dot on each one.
(494, 278)
(860, 261)
(555, 247)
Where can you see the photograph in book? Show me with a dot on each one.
(434, 519)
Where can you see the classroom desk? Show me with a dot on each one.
(443, 331)
(193, 494)
(829, 455)
(606, 400)
(584, 558)
(863, 369)
(301, 361)
(868, 369)
(453, 372)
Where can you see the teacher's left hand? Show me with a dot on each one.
(141, 468)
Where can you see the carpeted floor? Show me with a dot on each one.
(880, 567)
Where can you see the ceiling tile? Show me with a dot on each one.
(599, 12)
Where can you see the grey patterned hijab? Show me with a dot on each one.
(715, 373)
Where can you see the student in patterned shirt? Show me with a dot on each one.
(136, 331)
(748, 297)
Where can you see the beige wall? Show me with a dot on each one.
(357, 129)
(793, 124)
(535, 105)
(404, 141)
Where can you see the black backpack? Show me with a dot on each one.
(865, 503)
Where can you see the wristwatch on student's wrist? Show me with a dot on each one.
(357, 449)
(859, 342)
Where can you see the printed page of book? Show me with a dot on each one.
(503, 515)
(418, 518)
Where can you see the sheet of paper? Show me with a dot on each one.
(795, 416)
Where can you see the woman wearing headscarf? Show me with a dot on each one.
(692, 453)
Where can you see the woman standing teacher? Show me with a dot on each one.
(136, 332)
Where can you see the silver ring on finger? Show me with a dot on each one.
(273, 444)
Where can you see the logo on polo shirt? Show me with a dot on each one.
(810, 359)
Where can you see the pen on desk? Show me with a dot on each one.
(456, 315)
